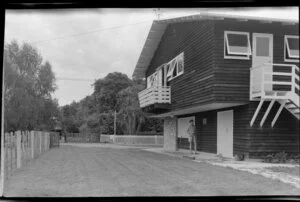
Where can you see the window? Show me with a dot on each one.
(175, 67)
(291, 48)
(180, 64)
(152, 80)
(170, 68)
(262, 46)
(236, 45)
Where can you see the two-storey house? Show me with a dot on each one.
(237, 77)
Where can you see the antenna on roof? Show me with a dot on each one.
(158, 12)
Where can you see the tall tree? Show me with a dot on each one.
(106, 90)
(28, 84)
(129, 108)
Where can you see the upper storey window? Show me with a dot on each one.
(237, 45)
(152, 80)
(291, 48)
(175, 67)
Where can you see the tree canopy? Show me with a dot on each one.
(95, 113)
(28, 84)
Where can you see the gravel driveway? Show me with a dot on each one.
(104, 171)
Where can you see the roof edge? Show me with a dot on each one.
(139, 72)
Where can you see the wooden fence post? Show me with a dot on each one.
(19, 150)
(14, 152)
(40, 136)
(8, 161)
(32, 144)
(45, 143)
(48, 140)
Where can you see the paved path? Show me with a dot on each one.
(119, 171)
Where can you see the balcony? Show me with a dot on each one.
(155, 97)
(274, 81)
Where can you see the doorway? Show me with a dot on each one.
(225, 133)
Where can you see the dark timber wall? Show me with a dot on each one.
(195, 39)
(263, 140)
(206, 134)
(232, 76)
(253, 141)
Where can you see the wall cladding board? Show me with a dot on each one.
(262, 140)
(191, 38)
(207, 140)
(238, 71)
(206, 134)
(252, 141)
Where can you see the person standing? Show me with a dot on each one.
(192, 136)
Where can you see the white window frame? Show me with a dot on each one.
(171, 69)
(175, 65)
(246, 56)
(152, 76)
(180, 57)
(286, 47)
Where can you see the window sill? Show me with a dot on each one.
(291, 60)
(236, 57)
(175, 76)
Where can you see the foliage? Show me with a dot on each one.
(28, 84)
(239, 157)
(281, 157)
(106, 90)
(152, 124)
(131, 114)
(95, 113)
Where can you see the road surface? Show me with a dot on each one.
(104, 171)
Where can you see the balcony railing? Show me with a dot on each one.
(154, 95)
(274, 81)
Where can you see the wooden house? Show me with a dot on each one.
(237, 77)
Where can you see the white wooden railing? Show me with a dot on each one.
(261, 82)
(155, 94)
(262, 89)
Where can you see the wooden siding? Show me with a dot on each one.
(263, 140)
(252, 141)
(206, 134)
(232, 76)
(195, 85)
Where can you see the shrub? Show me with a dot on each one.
(268, 158)
(280, 157)
(239, 157)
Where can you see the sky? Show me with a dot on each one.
(83, 45)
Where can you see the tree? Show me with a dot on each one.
(106, 90)
(129, 108)
(70, 122)
(28, 84)
(95, 113)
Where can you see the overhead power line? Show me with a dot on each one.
(90, 32)
(47, 26)
(95, 31)
(74, 79)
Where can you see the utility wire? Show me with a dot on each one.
(74, 79)
(90, 32)
(95, 31)
(47, 26)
